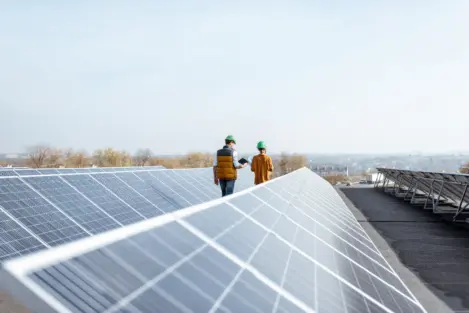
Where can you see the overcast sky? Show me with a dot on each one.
(178, 76)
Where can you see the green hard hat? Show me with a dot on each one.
(261, 145)
(231, 138)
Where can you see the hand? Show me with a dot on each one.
(215, 181)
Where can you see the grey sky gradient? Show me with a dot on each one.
(178, 76)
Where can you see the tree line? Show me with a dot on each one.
(42, 156)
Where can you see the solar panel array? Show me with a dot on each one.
(41, 211)
(289, 245)
(68, 170)
(437, 188)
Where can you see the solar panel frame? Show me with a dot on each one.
(20, 269)
(452, 186)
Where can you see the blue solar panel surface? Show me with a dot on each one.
(41, 210)
(8, 171)
(290, 245)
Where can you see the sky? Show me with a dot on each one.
(179, 76)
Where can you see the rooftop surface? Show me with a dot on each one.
(430, 254)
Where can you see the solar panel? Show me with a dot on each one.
(30, 209)
(60, 208)
(48, 171)
(73, 203)
(436, 189)
(260, 250)
(15, 239)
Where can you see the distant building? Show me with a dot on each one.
(372, 178)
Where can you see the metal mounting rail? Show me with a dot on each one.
(448, 192)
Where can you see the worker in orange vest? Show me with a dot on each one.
(262, 165)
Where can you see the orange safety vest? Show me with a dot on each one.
(225, 167)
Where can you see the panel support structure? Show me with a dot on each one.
(460, 208)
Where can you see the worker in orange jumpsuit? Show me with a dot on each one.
(261, 165)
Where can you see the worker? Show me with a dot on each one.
(225, 167)
(262, 165)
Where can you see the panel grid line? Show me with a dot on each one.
(339, 218)
(111, 192)
(75, 173)
(95, 204)
(23, 226)
(240, 272)
(339, 227)
(329, 220)
(326, 243)
(182, 186)
(55, 206)
(145, 198)
(398, 277)
(163, 183)
(284, 276)
(150, 284)
(328, 270)
(251, 269)
(199, 189)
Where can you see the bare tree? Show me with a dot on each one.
(111, 158)
(38, 155)
(142, 157)
(55, 158)
(99, 158)
(124, 158)
(290, 162)
(76, 158)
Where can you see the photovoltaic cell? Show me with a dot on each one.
(73, 203)
(48, 171)
(203, 186)
(104, 198)
(7, 173)
(247, 253)
(38, 215)
(165, 189)
(149, 192)
(128, 194)
(84, 170)
(66, 170)
(23, 172)
(83, 205)
(148, 258)
(14, 239)
(190, 193)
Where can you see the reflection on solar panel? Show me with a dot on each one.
(289, 245)
(41, 211)
(447, 193)
(47, 171)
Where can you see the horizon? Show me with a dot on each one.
(447, 153)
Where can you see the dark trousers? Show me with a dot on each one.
(227, 187)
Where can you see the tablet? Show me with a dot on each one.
(243, 161)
